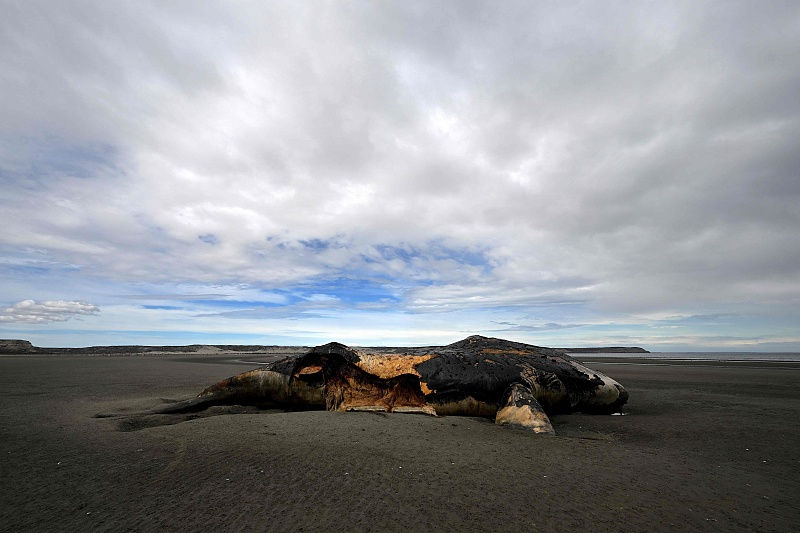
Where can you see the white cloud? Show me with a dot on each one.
(36, 312)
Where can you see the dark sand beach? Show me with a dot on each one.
(702, 447)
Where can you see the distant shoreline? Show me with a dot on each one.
(22, 347)
(10, 347)
(610, 349)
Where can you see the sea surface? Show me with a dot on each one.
(698, 356)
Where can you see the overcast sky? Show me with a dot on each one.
(559, 173)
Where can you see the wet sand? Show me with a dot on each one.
(701, 447)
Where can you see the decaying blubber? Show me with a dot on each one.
(516, 384)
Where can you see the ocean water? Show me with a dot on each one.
(698, 356)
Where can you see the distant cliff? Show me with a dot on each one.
(608, 349)
(16, 346)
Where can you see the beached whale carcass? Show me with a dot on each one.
(516, 384)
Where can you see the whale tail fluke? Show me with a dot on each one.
(191, 405)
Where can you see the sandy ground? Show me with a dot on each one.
(702, 447)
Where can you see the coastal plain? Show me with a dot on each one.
(699, 447)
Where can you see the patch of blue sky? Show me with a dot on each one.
(548, 326)
(232, 304)
(731, 325)
(26, 270)
(58, 283)
(464, 256)
(209, 238)
(433, 250)
(349, 290)
(164, 307)
(545, 309)
(404, 253)
(31, 262)
(622, 331)
(39, 158)
(709, 318)
(204, 294)
(557, 324)
(317, 244)
(286, 312)
(621, 325)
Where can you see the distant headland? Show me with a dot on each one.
(609, 349)
(21, 347)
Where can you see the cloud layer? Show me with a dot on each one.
(533, 164)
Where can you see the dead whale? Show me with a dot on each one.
(516, 384)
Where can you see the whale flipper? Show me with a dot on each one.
(521, 409)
